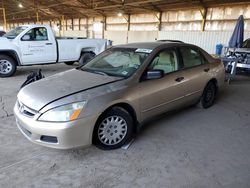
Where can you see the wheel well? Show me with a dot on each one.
(12, 55)
(87, 51)
(215, 82)
(129, 109)
(126, 107)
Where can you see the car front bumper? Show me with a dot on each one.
(65, 135)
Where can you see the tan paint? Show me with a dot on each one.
(148, 98)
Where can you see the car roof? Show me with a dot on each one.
(165, 43)
(152, 45)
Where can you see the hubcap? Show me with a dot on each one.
(5, 66)
(112, 130)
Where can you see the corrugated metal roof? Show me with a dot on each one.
(51, 9)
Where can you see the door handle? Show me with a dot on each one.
(206, 70)
(48, 43)
(179, 79)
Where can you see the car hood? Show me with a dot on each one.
(3, 40)
(40, 93)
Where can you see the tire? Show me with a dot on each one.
(85, 58)
(228, 68)
(69, 63)
(208, 96)
(7, 66)
(248, 72)
(113, 129)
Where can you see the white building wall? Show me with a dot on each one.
(206, 40)
(182, 25)
(142, 36)
(75, 33)
(118, 37)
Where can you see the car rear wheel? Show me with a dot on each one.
(7, 66)
(114, 129)
(85, 58)
(208, 96)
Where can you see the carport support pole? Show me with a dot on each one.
(128, 20)
(37, 17)
(204, 17)
(4, 19)
(87, 27)
(62, 26)
(160, 21)
(104, 26)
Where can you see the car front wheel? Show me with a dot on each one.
(114, 129)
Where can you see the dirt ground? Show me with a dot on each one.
(190, 148)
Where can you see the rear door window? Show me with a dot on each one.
(191, 57)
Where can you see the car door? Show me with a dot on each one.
(195, 71)
(161, 95)
(36, 47)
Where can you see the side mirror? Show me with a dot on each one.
(153, 74)
(26, 37)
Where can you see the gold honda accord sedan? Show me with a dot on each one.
(104, 101)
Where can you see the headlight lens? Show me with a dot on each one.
(69, 112)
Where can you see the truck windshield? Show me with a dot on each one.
(12, 34)
(117, 62)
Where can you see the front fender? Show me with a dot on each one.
(9, 48)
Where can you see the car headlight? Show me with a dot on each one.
(69, 112)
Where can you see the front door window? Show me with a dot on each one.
(166, 61)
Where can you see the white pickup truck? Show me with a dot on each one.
(37, 44)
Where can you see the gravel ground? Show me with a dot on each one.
(190, 148)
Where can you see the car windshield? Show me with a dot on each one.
(12, 34)
(120, 62)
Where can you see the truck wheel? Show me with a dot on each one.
(69, 63)
(7, 66)
(85, 58)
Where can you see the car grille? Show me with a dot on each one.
(25, 110)
(25, 131)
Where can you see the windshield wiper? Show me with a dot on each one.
(9, 37)
(93, 71)
(115, 75)
(99, 72)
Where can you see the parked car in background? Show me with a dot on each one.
(242, 54)
(36, 44)
(246, 44)
(2, 33)
(104, 101)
